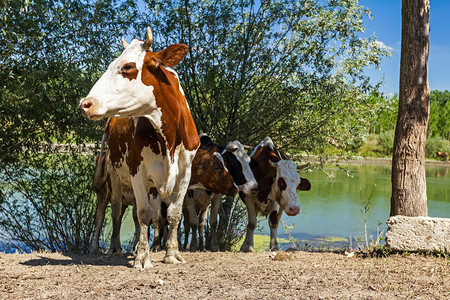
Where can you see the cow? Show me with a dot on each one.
(158, 148)
(278, 183)
(208, 171)
(443, 155)
(195, 208)
(102, 187)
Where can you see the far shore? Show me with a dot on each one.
(368, 161)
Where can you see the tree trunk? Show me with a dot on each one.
(409, 196)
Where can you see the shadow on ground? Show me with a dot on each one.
(123, 259)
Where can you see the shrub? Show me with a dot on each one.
(386, 142)
(370, 148)
(436, 144)
(48, 204)
(232, 223)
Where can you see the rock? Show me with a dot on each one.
(417, 234)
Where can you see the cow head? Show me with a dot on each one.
(131, 84)
(238, 164)
(286, 184)
(209, 170)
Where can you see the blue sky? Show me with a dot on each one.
(386, 25)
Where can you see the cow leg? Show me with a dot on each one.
(201, 227)
(274, 221)
(216, 201)
(155, 205)
(102, 202)
(175, 208)
(193, 222)
(163, 227)
(173, 255)
(137, 228)
(247, 246)
(163, 233)
(116, 214)
(142, 259)
(186, 228)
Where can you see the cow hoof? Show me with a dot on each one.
(246, 248)
(174, 259)
(143, 264)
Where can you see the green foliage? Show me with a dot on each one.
(436, 144)
(51, 53)
(386, 142)
(385, 113)
(48, 203)
(370, 148)
(368, 246)
(232, 224)
(439, 122)
(286, 69)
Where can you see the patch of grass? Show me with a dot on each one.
(261, 243)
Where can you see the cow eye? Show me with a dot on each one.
(282, 184)
(127, 67)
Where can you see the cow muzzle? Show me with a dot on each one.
(87, 106)
(293, 211)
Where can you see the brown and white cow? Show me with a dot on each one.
(278, 183)
(102, 187)
(196, 203)
(158, 149)
(208, 171)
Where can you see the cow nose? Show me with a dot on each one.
(293, 211)
(254, 191)
(86, 103)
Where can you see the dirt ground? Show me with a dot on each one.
(206, 275)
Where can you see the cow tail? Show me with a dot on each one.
(98, 180)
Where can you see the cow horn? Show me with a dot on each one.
(148, 39)
(246, 147)
(273, 164)
(124, 43)
(302, 166)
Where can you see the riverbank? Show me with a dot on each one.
(224, 275)
(359, 160)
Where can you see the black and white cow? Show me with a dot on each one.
(196, 203)
(278, 183)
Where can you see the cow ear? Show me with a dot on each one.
(172, 55)
(304, 185)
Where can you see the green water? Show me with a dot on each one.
(332, 208)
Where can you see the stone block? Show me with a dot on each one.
(417, 234)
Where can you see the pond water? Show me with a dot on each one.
(332, 208)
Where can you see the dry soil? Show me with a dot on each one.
(206, 275)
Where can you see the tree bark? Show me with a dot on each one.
(409, 197)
